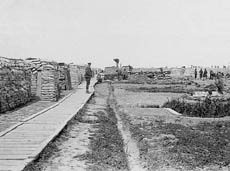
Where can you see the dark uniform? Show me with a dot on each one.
(201, 73)
(205, 74)
(88, 76)
(195, 73)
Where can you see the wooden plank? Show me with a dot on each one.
(17, 148)
(23, 152)
(10, 163)
(20, 148)
(2, 144)
(39, 84)
(24, 143)
(14, 157)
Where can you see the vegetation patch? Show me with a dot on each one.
(167, 89)
(107, 148)
(170, 145)
(207, 108)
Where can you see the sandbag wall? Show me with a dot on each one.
(50, 90)
(15, 85)
(75, 75)
(22, 80)
(64, 77)
(35, 67)
(82, 71)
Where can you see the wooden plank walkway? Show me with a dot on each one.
(22, 144)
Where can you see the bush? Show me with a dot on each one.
(207, 108)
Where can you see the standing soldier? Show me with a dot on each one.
(201, 73)
(219, 83)
(205, 75)
(195, 73)
(88, 76)
(211, 75)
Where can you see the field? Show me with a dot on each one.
(167, 141)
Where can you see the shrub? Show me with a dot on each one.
(207, 108)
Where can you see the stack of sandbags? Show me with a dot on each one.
(75, 75)
(35, 67)
(35, 62)
(49, 83)
(4, 62)
(15, 88)
(81, 72)
(34, 83)
(64, 77)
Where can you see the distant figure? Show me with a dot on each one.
(219, 84)
(88, 76)
(205, 74)
(195, 73)
(125, 74)
(201, 73)
(211, 75)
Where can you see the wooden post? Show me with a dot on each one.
(39, 83)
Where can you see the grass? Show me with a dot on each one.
(207, 108)
(180, 146)
(207, 143)
(168, 89)
(107, 148)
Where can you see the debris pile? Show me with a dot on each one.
(159, 75)
(149, 76)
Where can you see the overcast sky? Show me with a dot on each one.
(139, 32)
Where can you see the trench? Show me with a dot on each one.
(130, 144)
